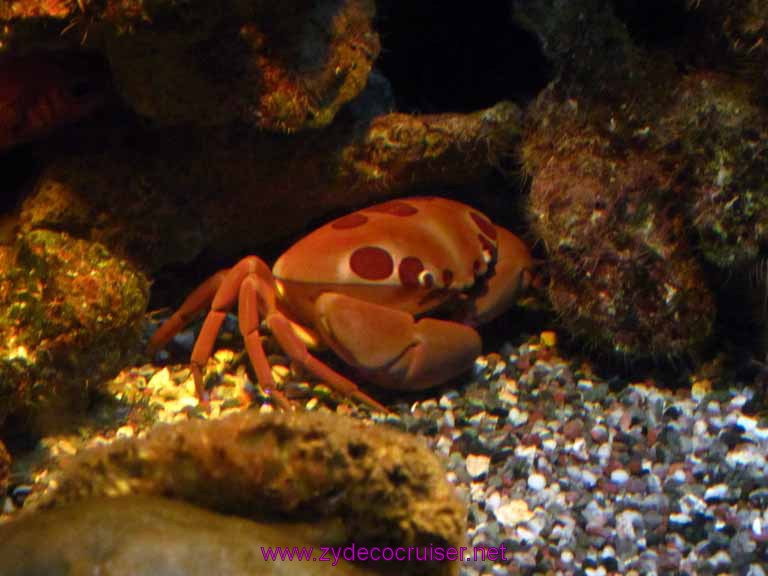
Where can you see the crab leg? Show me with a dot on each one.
(256, 293)
(199, 300)
(248, 314)
(223, 300)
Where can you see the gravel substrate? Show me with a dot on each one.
(570, 475)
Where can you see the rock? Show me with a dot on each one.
(5, 470)
(70, 316)
(621, 272)
(143, 536)
(284, 67)
(29, 83)
(388, 487)
(163, 196)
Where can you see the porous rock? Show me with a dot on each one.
(621, 272)
(139, 535)
(282, 66)
(162, 197)
(386, 486)
(70, 316)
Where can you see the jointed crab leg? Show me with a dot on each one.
(256, 290)
(252, 284)
(199, 300)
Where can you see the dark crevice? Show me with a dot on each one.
(448, 57)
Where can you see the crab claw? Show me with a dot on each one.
(513, 274)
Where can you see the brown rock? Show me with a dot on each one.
(387, 486)
(573, 428)
(5, 469)
(143, 536)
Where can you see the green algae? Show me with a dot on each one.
(70, 314)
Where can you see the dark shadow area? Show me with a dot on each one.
(450, 57)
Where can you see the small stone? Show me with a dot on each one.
(125, 432)
(584, 384)
(185, 340)
(619, 476)
(477, 465)
(548, 338)
(680, 519)
(513, 513)
(573, 428)
(517, 417)
(160, 380)
(700, 389)
(537, 482)
(716, 493)
(446, 402)
(599, 433)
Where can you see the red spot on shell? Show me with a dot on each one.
(484, 224)
(349, 221)
(409, 270)
(371, 263)
(447, 278)
(395, 208)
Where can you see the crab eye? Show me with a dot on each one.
(487, 256)
(426, 279)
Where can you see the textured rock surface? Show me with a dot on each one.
(70, 312)
(721, 131)
(621, 272)
(282, 66)
(162, 196)
(143, 536)
(387, 486)
(5, 469)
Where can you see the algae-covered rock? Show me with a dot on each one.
(719, 133)
(609, 213)
(70, 313)
(735, 33)
(283, 66)
(144, 536)
(386, 486)
(163, 196)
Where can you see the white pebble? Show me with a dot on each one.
(477, 465)
(619, 476)
(549, 445)
(514, 512)
(444, 445)
(537, 482)
(493, 502)
(678, 476)
(517, 417)
(716, 492)
(588, 479)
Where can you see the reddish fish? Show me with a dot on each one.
(42, 91)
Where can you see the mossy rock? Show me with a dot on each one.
(70, 314)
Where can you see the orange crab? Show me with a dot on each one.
(367, 286)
